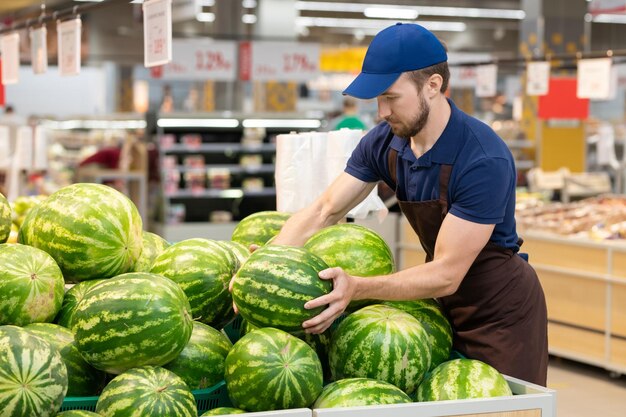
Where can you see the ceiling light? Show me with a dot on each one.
(283, 123)
(197, 122)
(248, 4)
(205, 17)
(378, 24)
(206, 3)
(391, 13)
(249, 19)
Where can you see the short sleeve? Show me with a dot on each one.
(483, 190)
(368, 160)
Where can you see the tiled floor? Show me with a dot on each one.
(586, 391)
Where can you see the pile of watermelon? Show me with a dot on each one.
(140, 324)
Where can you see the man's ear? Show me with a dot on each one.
(434, 84)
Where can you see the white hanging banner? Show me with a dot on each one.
(157, 32)
(284, 61)
(202, 59)
(594, 78)
(537, 78)
(486, 80)
(607, 7)
(68, 36)
(39, 50)
(10, 50)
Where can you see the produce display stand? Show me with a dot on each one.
(529, 400)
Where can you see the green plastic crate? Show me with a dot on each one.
(79, 403)
(233, 329)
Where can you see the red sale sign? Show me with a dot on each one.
(284, 61)
(202, 59)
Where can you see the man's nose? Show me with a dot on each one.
(383, 109)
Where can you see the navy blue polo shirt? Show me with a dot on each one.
(482, 182)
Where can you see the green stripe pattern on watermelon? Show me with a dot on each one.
(201, 363)
(358, 250)
(5, 219)
(381, 342)
(153, 246)
(91, 230)
(33, 378)
(271, 288)
(132, 320)
(460, 379)
(259, 228)
(357, 392)
(31, 285)
(219, 411)
(240, 251)
(83, 379)
(73, 296)
(429, 313)
(203, 268)
(284, 368)
(147, 391)
(78, 413)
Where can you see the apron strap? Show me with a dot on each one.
(392, 160)
(444, 179)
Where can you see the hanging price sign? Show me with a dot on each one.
(157, 32)
(486, 80)
(537, 78)
(284, 61)
(68, 37)
(10, 50)
(39, 50)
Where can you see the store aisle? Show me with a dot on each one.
(586, 391)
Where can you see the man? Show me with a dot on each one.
(349, 119)
(455, 180)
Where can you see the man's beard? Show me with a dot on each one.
(416, 125)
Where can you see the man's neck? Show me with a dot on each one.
(437, 121)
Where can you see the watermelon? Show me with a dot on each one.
(381, 342)
(31, 285)
(429, 313)
(356, 392)
(284, 368)
(203, 269)
(73, 296)
(356, 249)
(83, 379)
(258, 228)
(91, 231)
(132, 320)
(5, 219)
(33, 378)
(219, 411)
(270, 289)
(153, 246)
(201, 363)
(78, 413)
(241, 252)
(460, 379)
(148, 391)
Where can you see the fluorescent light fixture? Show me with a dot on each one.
(609, 18)
(391, 13)
(248, 19)
(248, 4)
(197, 122)
(90, 1)
(94, 124)
(206, 3)
(286, 123)
(333, 22)
(205, 17)
(323, 6)
(231, 193)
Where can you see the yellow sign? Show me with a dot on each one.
(342, 59)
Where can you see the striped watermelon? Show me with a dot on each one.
(258, 228)
(33, 378)
(78, 413)
(201, 363)
(429, 313)
(241, 252)
(73, 296)
(31, 285)
(203, 269)
(5, 219)
(356, 249)
(83, 379)
(91, 231)
(381, 342)
(460, 379)
(132, 320)
(356, 392)
(220, 411)
(284, 368)
(148, 391)
(153, 246)
(270, 289)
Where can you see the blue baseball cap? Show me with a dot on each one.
(399, 48)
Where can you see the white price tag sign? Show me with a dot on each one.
(486, 80)
(594, 78)
(284, 61)
(202, 59)
(68, 37)
(537, 78)
(10, 50)
(39, 50)
(157, 32)
(607, 6)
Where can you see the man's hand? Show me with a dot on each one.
(344, 289)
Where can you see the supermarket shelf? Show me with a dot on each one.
(227, 193)
(182, 231)
(232, 168)
(219, 148)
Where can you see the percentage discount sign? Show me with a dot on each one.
(157, 24)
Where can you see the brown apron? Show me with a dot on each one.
(498, 312)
